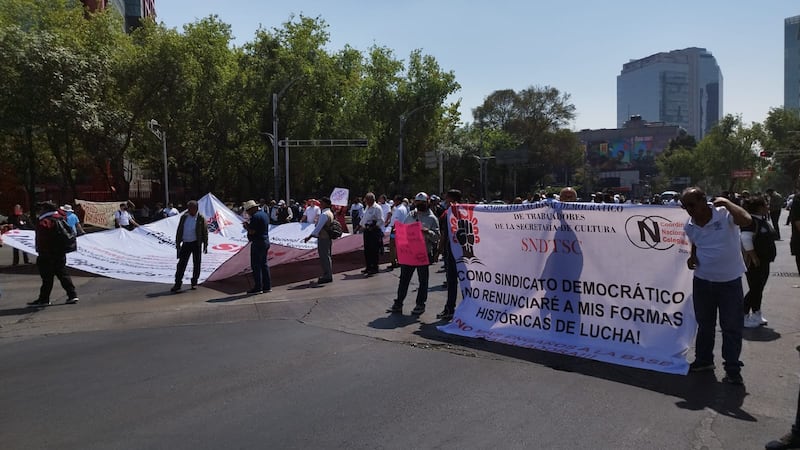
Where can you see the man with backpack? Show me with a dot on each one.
(324, 234)
(54, 239)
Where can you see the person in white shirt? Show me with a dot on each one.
(386, 208)
(716, 258)
(311, 212)
(324, 242)
(398, 215)
(171, 210)
(123, 219)
(356, 210)
(372, 224)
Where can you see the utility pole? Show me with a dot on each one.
(161, 135)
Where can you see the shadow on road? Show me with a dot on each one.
(18, 311)
(760, 334)
(393, 321)
(698, 390)
(231, 298)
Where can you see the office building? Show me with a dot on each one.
(681, 87)
(791, 63)
(132, 11)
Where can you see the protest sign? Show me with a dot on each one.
(410, 243)
(606, 282)
(340, 196)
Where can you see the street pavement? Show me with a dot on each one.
(310, 366)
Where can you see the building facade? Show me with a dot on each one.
(681, 87)
(132, 11)
(623, 159)
(791, 63)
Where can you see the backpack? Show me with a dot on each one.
(335, 229)
(764, 238)
(67, 240)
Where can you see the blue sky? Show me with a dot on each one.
(577, 46)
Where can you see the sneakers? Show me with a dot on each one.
(754, 320)
(699, 366)
(72, 301)
(254, 291)
(445, 315)
(39, 303)
(418, 310)
(733, 378)
(790, 440)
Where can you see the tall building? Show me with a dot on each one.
(681, 87)
(791, 63)
(132, 11)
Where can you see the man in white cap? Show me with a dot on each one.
(430, 231)
(72, 219)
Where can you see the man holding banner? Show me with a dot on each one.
(416, 239)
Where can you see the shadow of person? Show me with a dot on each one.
(702, 390)
(393, 321)
(19, 311)
(760, 334)
(231, 298)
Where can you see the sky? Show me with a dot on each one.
(576, 46)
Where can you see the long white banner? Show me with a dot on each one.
(606, 282)
(148, 252)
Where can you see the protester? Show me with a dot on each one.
(311, 212)
(324, 242)
(430, 231)
(568, 195)
(258, 234)
(775, 202)
(716, 259)
(19, 221)
(171, 210)
(192, 232)
(371, 223)
(356, 209)
(452, 197)
(52, 260)
(758, 243)
(280, 214)
(72, 219)
(794, 243)
(397, 215)
(296, 212)
(123, 219)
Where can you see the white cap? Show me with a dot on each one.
(421, 197)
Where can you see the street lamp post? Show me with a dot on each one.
(161, 135)
(403, 118)
(276, 141)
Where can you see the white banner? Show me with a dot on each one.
(148, 252)
(607, 282)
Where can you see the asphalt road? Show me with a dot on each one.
(305, 366)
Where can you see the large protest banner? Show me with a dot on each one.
(606, 282)
(148, 252)
(99, 214)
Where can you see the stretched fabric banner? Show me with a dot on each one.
(340, 196)
(99, 214)
(606, 282)
(148, 252)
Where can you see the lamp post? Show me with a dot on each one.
(276, 142)
(484, 175)
(161, 135)
(403, 118)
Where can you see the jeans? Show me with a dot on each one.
(756, 280)
(324, 247)
(405, 278)
(451, 275)
(727, 298)
(188, 249)
(258, 262)
(54, 266)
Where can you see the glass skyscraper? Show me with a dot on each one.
(681, 87)
(791, 63)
